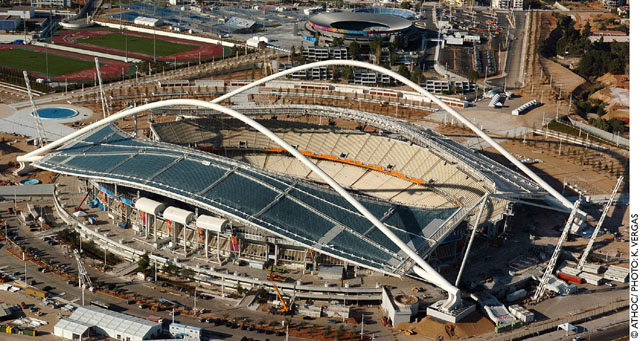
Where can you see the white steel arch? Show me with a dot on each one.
(421, 91)
(424, 270)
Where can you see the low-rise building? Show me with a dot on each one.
(184, 331)
(9, 23)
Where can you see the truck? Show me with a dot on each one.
(35, 292)
(155, 319)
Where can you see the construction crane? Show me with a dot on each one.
(556, 253)
(103, 97)
(284, 309)
(83, 275)
(594, 235)
(42, 138)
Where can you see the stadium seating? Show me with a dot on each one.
(389, 154)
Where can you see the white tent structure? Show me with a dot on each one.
(95, 320)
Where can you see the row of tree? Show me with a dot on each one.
(597, 58)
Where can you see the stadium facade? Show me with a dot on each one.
(391, 26)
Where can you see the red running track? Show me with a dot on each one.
(200, 50)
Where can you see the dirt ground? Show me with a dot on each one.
(49, 314)
(557, 169)
(472, 325)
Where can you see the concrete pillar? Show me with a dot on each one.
(184, 237)
(275, 260)
(206, 244)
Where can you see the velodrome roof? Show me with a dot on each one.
(311, 215)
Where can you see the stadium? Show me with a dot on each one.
(392, 26)
(362, 191)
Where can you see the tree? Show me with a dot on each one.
(404, 71)
(473, 76)
(143, 263)
(347, 73)
(393, 59)
(337, 41)
(417, 76)
(405, 5)
(354, 50)
(292, 52)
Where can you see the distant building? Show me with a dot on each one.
(23, 12)
(507, 4)
(241, 25)
(52, 3)
(315, 53)
(146, 21)
(89, 321)
(370, 78)
(9, 23)
(441, 86)
(316, 73)
(611, 4)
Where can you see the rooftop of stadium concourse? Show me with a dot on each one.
(293, 209)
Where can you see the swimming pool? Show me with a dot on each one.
(57, 112)
(29, 181)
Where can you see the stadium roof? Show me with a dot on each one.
(293, 209)
(361, 21)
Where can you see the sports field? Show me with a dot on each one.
(36, 61)
(136, 44)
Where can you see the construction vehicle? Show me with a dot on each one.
(284, 309)
(409, 332)
(274, 277)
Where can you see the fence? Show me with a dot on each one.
(605, 135)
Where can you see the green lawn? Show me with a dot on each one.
(35, 61)
(136, 44)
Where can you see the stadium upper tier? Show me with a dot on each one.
(398, 12)
(295, 210)
(402, 168)
(493, 176)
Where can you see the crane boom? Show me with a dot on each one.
(556, 253)
(594, 235)
(42, 138)
(284, 305)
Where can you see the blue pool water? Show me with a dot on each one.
(29, 181)
(56, 113)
